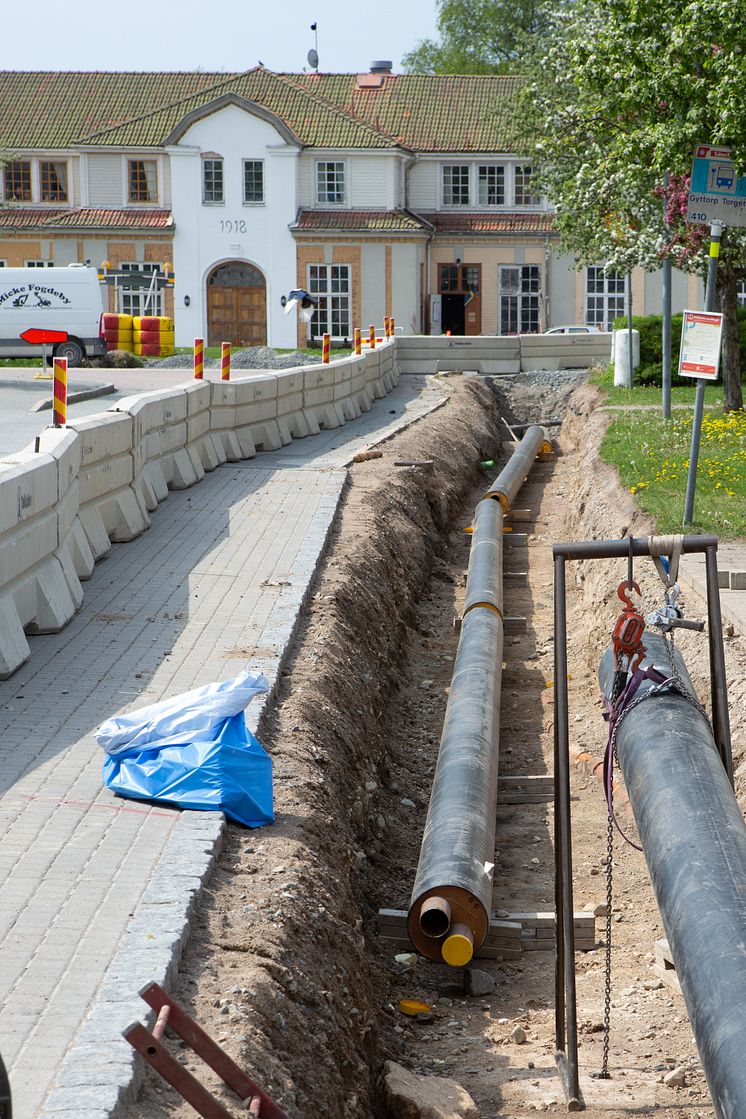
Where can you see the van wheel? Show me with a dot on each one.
(72, 350)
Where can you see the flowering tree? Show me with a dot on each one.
(621, 92)
(478, 37)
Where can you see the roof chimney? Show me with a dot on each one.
(382, 66)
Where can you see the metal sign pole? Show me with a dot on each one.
(716, 232)
(666, 370)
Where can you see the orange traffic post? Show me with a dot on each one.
(225, 361)
(358, 340)
(372, 337)
(385, 326)
(326, 348)
(199, 359)
(392, 326)
(59, 401)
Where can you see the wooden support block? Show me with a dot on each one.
(514, 625)
(517, 578)
(507, 937)
(530, 789)
(664, 966)
(515, 539)
(522, 515)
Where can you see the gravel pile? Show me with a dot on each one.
(253, 357)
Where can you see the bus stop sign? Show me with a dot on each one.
(715, 192)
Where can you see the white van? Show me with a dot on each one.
(66, 300)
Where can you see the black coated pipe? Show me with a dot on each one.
(619, 549)
(454, 873)
(694, 839)
(458, 845)
(510, 479)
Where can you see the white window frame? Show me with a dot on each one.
(501, 183)
(132, 300)
(213, 161)
(3, 264)
(524, 173)
(253, 201)
(38, 264)
(450, 173)
(334, 308)
(741, 291)
(520, 298)
(127, 159)
(604, 296)
(322, 186)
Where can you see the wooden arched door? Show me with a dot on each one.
(237, 305)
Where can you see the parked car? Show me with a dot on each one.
(578, 329)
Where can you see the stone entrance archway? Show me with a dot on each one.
(236, 305)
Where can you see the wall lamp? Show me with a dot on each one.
(187, 301)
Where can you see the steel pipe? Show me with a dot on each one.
(512, 476)
(694, 839)
(449, 912)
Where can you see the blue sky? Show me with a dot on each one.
(210, 34)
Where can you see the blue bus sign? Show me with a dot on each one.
(716, 193)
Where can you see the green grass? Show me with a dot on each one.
(652, 457)
(651, 394)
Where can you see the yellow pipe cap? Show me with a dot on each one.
(457, 949)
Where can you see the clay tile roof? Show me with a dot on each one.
(429, 112)
(438, 113)
(17, 218)
(507, 223)
(358, 220)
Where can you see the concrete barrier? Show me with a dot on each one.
(440, 353)
(204, 452)
(223, 401)
(73, 550)
(256, 423)
(159, 444)
(564, 351)
(110, 508)
(290, 419)
(34, 593)
(320, 409)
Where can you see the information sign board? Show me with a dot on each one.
(701, 333)
(715, 193)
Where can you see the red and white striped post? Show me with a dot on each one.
(225, 361)
(199, 359)
(326, 348)
(358, 340)
(372, 337)
(59, 391)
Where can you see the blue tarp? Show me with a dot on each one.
(194, 751)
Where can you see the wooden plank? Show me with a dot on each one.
(514, 625)
(664, 966)
(518, 578)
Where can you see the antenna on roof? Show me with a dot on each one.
(313, 54)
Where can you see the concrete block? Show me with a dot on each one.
(737, 580)
(14, 648)
(28, 486)
(103, 436)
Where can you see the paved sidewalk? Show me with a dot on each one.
(96, 892)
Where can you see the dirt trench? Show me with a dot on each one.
(286, 968)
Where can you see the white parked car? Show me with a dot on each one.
(579, 329)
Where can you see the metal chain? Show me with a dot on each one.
(604, 1073)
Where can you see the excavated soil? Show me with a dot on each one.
(286, 967)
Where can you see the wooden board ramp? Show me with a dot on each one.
(508, 937)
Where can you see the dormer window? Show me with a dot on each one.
(523, 194)
(330, 183)
(142, 180)
(53, 180)
(491, 185)
(17, 176)
(456, 184)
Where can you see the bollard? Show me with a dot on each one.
(199, 359)
(385, 326)
(392, 327)
(225, 361)
(326, 348)
(358, 341)
(59, 393)
(372, 337)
